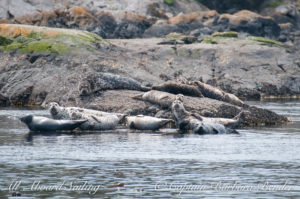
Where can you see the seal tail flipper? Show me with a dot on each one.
(215, 131)
(138, 97)
(197, 116)
(165, 122)
(131, 125)
(81, 121)
(122, 118)
(145, 89)
(231, 131)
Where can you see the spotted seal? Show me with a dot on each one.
(142, 122)
(227, 122)
(214, 92)
(60, 112)
(104, 81)
(186, 121)
(38, 123)
(94, 122)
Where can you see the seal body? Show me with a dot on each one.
(60, 112)
(105, 81)
(214, 92)
(142, 122)
(186, 121)
(178, 88)
(94, 122)
(164, 99)
(38, 123)
(209, 128)
(227, 122)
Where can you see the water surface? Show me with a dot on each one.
(257, 163)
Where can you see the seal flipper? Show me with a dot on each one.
(95, 118)
(138, 97)
(131, 125)
(197, 116)
(215, 131)
(182, 125)
(145, 89)
(165, 122)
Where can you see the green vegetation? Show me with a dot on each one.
(175, 35)
(225, 34)
(275, 3)
(36, 36)
(60, 44)
(169, 2)
(5, 41)
(266, 41)
(209, 40)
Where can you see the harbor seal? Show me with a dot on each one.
(214, 92)
(142, 122)
(107, 122)
(178, 88)
(227, 122)
(163, 99)
(38, 123)
(186, 121)
(60, 112)
(107, 81)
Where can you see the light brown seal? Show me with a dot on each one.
(178, 88)
(142, 122)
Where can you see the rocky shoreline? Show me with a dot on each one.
(231, 51)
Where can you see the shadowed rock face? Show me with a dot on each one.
(232, 6)
(135, 19)
(250, 68)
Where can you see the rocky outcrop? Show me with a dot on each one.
(249, 67)
(27, 39)
(135, 19)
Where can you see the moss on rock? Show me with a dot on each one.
(26, 38)
(5, 41)
(225, 34)
(275, 3)
(169, 2)
(266, 41)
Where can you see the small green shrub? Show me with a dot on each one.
(169, 2)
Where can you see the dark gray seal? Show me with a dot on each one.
(108, 81)
(38, 123)
(185, 121)
(214, 92)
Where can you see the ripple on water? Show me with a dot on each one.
(152, 165)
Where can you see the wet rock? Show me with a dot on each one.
(249, 22)
(231, 6)
(244, 67)
(242, 21)
(3, 100)
(213, 108)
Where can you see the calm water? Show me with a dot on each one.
(258, 163)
